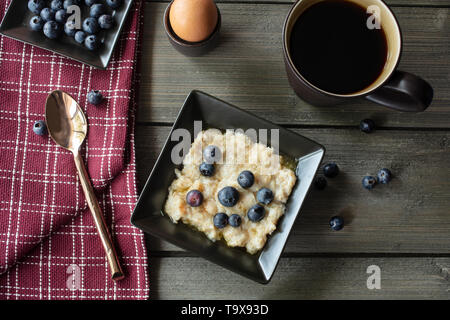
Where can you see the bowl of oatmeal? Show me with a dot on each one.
(228, 186)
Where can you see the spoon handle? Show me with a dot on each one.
(100, 224)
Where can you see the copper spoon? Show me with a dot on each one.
(67, 126)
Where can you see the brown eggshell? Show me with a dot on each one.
(193, 20)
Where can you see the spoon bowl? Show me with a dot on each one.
(67, 126)
(66, 122)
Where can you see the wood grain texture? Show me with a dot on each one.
(247, 69)
(409, 215)
(303, 278)
(421, 3)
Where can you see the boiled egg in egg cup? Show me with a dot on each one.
(192, 25)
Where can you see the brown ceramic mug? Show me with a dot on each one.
(393, 88)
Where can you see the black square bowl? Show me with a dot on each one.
(148, 214)
(15, 25)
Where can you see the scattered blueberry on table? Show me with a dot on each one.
(256, 213)
(320, 183)
(206, 169)
(94, 97)
(228, 196)
(264, 196)
(52, 29)
(369, 182)
(331, 170)
(40, 127)
(36, 23)
(36, 6)
(194, 198)
(337, 223)
(220, 220)
(367, 125)
(384, 176)
(235, 220)
(246, 179)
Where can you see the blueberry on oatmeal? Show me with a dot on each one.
(246, 179)
(228, 196)
(194, 198)
(212, 154)
(256, 213)
(264, 196)
(220, 220)
(206, 169)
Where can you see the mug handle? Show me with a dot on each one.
(404, 92)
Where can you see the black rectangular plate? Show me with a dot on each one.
(15, 25)
(215, 113)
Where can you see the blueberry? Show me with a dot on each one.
(256, 213)
(80, 36)
(70, 28)
(36, 6)
(61, 16)
(40, 128)
(56, 5)
(384, 176)
(246, 179)
(206, 169)
(36, 23)
(194, 198)
(52, 29)
(212, 154)
(369, 182)
(90, 2)
(97, 10)
(91, 42)
(264, 196)
(320, 183)
(47, 14)
(90, 25)
(105, 21)
(68, 3)
(330, 170)
(94, 96)
(235, 220)
(367, 125)
(337, 223)
(228, 196)
(114, 3)
(220, 220)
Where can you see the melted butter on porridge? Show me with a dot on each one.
(194, 194)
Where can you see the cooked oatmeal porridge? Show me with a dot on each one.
(239, 201)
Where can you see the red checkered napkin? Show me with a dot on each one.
(49, 247)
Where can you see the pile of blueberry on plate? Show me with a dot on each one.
(56, 17)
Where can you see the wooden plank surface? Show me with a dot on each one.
(410, 3)
(410, 215)
(303, 278)
(247, 69)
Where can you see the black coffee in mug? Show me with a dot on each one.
(333, 48)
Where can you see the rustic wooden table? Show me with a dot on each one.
(404, 227)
